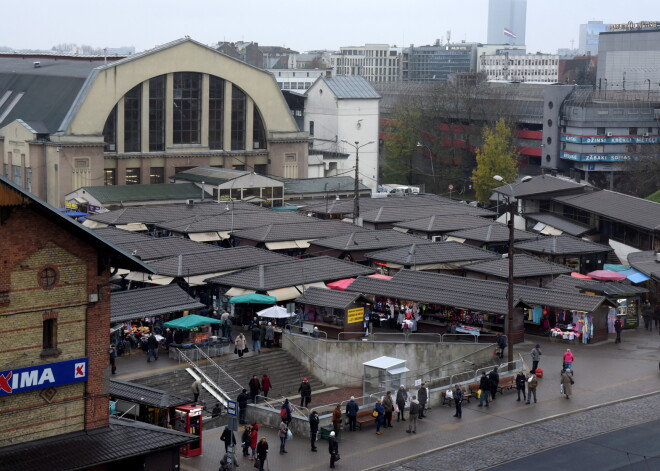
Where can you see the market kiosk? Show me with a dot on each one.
(188, 419)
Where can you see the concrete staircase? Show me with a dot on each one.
(284, 371)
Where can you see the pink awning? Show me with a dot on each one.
(380, 277)
(580, 275)
(341, 285)
(606, 275)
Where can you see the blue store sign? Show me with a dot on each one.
(42, 376)
(595, 157)
(609, 139)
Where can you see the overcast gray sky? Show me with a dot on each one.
(302, 25)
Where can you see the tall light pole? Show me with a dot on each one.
(419, 144)
(356, 189)
(508, 322)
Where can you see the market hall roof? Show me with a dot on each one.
(148, 302)
(93, 449)
(561, 223)
(370, 240)
(648, 262)
(117, 194)
(607, 288)
(409, 213)
(494, 232)
(439, 223)
(323, 185)
(435, 253)
(345, 206)
(298, 231)
(524, 266)
(561, 245)
(617, 207)
(292, 272)
(328, 298)
(540, 185)
(161, 247)
(145, 395)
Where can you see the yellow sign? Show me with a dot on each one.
(355, 315)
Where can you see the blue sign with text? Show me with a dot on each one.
(42, 376)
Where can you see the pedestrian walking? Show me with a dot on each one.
(113, 358)
(352, 409)
(388, 405)
(333, 449)
(401, 399)
(266, 385)
(501, 344)
(228, 328)
(256, 338)
(196, 388)
(313, 428)
(567, 383)
(520, 385)
(305, 391)
(282, 433)
(422, 397)
(217, 410)
(240, 345)
(245, 440)
(413, 415)
(152, 348)
(242, 401)
(536, 357)
(262, 453)
(380, 410)
(568, 360)
(228, 438)
(532, 383)
(336, 419)
(255, 388)
(484, 388)
(254, 440)
(647, 314)
(458, 401)
(618, 327)
(494, 380)
(270, 335)
(285, 411)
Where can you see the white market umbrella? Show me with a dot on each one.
(275, 312)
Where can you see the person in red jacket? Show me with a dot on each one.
(254, 438)
(266, 385)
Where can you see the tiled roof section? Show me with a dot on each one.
(559, 222)
(524, 266)
(454, 222)
(327, 298)
(146, 302)
(169, 212)
(609, 288)
(409, 213)
(371, 240)
(563, 244)
(345, 206)
(220, 260)
(162, 247)
(298, 231)
(354, 87)
(156, 192)
(120, 440)
(120, 236)
(616, 206)
(232, 222)
(145, 395)
(498, 289)
(495, 232)
(301, 186)
(645, 262)
(539, 185)
(291, 273)
(437, 252)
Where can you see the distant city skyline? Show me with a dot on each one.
(314, 26)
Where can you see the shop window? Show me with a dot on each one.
(261, 169)
(157, 113)
(311, 128)
(186, 121)
(132, 176)
(156, 175)
(238, 114)
(216, 112)
(109, 177)
(132, 119)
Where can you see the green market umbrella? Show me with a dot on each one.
(253, 298)
(191, 321)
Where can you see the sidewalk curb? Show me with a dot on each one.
(508, 429)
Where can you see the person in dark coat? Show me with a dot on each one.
(501, 344)
(520, 385)
(422, 398)
(217, 410)
(256, 338)
(458, 401)
(494, 378)
(262, 452)
(401, 398)
(152, 348)
(266, 385)
(313, 428)
(285, 412)
(618, 327)
(333, 449)
(228, 438)
(245, 440)
(352, 409)
(255, 387)
(113, 358)
(305, 391)
(484, 386)
(242, 400)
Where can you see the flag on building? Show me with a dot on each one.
(509, 33)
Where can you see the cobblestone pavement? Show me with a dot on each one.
(525, 440)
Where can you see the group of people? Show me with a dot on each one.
(260, 333)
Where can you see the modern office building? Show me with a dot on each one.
(589, 37)
(376, 62)
(507, 21)
(438, 62)
(527, 68)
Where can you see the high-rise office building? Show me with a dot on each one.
(589, 37)
(507, 21)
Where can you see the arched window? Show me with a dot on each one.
(110, 131)
(132, 119)
(157, 113)
(216, 112)
(258, 131)
(187, 108)
(238, 115)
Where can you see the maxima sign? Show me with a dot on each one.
(42, 376)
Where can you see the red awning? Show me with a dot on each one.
(341, 285)
(580, 275)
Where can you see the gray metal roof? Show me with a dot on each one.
(156, 192)
(524, 266)
(233, 221)
(145, 395)
(354, 87)
(607, 288)
(442, 224)
(161, 247)
(329, 185)
(426, 254)
(646, 262)
(617, 206)
(371, 240)
(297, 231)
(560, 245)
(409, 213)
(541, 184)
(291, 273)
(147, 302)
(216, 261)
(495, 232)
(209, 175)
(566, 225)
(328, 298)
(345, 206)
(120, 236)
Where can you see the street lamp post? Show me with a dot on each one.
(508, 322)
(419, 144)
(356, 189)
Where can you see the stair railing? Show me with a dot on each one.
(208, 381)
(221, 371)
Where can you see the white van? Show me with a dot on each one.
(404, 190)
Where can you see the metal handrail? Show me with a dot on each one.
(301, 331)
(294, 408)
(359, 335)
(204, 375)
(220, 369)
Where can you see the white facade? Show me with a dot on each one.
(331, 120)
(527, 68)
(297, 79)
(375, 62)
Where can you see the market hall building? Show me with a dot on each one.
(67, 123)
(55, 316)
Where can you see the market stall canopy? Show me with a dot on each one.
(341, 284)
(275, 312)
(191, 321)
(136, 304)
(253, 298)
(580, 276)
(606, 275)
